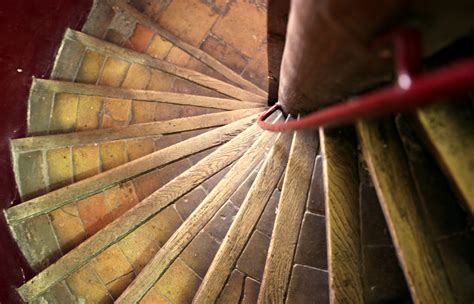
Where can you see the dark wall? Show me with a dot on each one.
(30, 32)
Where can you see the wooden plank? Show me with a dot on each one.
(417, 254)
(196, 221)
(140, 214)
(341, 187)
(55, 86)
(245, 221)
(449, 128)
(191, 50)
(132, 131)
(110, 49)
(288, 219)
(107, 179)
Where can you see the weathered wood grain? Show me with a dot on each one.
(288, 220)
(55, 86)
(141, 213)
(417, 254)
(132, 131)
(196, 221)
(245, 221)
(341, 187)
(79, 190)
(449, 129)
(110, 49)
(191, 50)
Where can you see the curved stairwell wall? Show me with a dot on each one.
(31, 33)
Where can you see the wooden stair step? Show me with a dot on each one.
(105, 148)
(245, 222)
(168, 257)
(60, 106)
(134, 29)
(418, 256)
(449, 130)
(342, 212)
(34, 223)
(82, 189)
(442, 211)
(139, 214)
(290, 214)
(102, 60)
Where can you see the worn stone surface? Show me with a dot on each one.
(142, 244)
(59, 167)
(114, 72)
(142, 112)
(141, 38)
(88, 113)
(68, 227)
(86, 161)
(312, 247)
(239, 195)
(232, 290)
(113, 154)
(256, 70)
(316, 190)
(384, 281)
(308, 285)
(200, 252)
(159, 47)
(64, 115)
(220, 223)
(137, 77)
(148, 183)
(243, 27)
(87, 286)
(90, 68)
(250, 292)
(186, 205)
(179, 283)
(224, 53)
(68, 61)
(265, 224)
(252, 260)
(139, 147)
(189, 20)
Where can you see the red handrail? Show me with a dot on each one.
(409, 91)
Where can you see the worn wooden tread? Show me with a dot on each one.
(58, 86)
(107, 179)
(417, 253)
(342, 214)
(197, 53)
(111, 49)
(196, 221)
(138, 215)
(288, 219)
(245, 221)
(132, 131)
(449, 128)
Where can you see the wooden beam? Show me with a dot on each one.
(417, 254)
(139, 214)
(449, 129)
(196, 221)
(87, 187)
(141, 95)
(288, 220)
(132, 131)
(341, 187)
(110, 49)
(245, 221)
(188, 48)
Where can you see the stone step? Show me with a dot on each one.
(30, 221)
(167, 273)
(75, 266)
(74, 156)
(417, 251)
(127, 27)
(244, 249)
(96, 61)
(60, 106)
(281, 267)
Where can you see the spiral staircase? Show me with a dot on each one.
(144, 178)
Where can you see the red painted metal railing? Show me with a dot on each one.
(410, 91)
